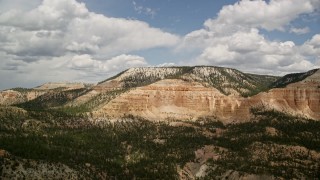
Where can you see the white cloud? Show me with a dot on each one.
(62, 40)
(117, 63)
(273, 15)
(18, 4)
(250, 51)
(300, 31)
(56, 28)
(234, 39)
(311, 49)
(81, 68)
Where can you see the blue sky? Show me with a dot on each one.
(183, 16)
(90, 40)
(176, 16)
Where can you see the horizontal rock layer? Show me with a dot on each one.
(177, 99)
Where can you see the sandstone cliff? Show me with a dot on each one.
(226, 81)
(188, 100)
(299, 98)
(183, 93)
(174, 99)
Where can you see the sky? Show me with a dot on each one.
(90, 40)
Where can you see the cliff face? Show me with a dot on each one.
(175, 99)
(188, 100)
(300, 98)
(184, 93)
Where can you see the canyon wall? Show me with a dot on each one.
(175, 99)
(184, 100)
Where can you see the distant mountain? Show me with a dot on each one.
(228, 81)
(176, 92)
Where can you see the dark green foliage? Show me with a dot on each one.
(242, 138)
(220, 78)
(22, 90)
(113, 77)
(292, 78)
(140, 78)
(136, 148)
(94, 103)
(262, 84)
(108, 147)
(245, 84)
(11, 118)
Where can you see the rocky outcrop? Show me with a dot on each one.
(184, 93)
(175, 99)
(200, 167)
(188, 100)
(301, 98)
(226, 80)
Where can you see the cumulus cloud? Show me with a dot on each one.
(250, 51)
(234, 38)
(56, 28)
(62, 40)
(272, 15)
(18, 4)
(123, 61)
(311, 48)
(57, 40)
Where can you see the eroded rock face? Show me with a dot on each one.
(184, 100)
(175, 99)
(301, 98)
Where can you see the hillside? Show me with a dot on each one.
(293, 78)
(225, 93)
(226, 80)
(164, 123)
(23, 95)
(272, 145)
(201, 92)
